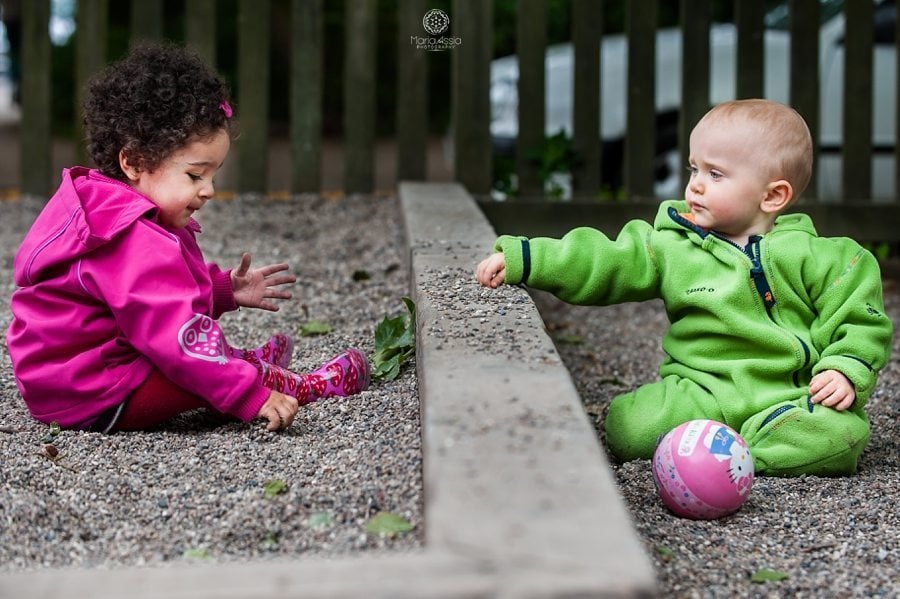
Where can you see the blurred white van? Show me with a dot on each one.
(723, 43)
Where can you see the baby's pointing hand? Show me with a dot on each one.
(492, 270)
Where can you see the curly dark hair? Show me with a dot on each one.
(150, 104)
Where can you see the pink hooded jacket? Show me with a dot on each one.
(105, 295)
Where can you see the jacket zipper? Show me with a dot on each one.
(758, 274)
(56, 235)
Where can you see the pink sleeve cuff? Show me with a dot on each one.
(223, 294)
(250, 409)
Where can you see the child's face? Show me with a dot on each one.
(183, 183)
(728, 184)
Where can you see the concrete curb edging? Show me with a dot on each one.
(519, 499)
(514, 473)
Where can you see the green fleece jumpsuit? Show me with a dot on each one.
(749, 328)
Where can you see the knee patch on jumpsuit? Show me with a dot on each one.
(799, 437)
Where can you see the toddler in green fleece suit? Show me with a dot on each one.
(774, 331)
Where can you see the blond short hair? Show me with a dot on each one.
(785, 144)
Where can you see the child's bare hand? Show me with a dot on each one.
(492, 271)
(252, 287)
(831, 388)
(279, 410)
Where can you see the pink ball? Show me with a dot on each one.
(703, 470)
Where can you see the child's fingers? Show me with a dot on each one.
(821, 386)
(279, 410)
(497, 278)
(244, 266)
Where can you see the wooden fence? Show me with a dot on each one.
(472, 22)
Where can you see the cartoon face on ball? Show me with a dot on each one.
(723, 445)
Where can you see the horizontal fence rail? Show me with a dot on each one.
(472, 24)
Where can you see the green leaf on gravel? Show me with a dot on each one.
(197, 553)
(361, 275)
(388, 524)
(272, 539)
(274, 487)
(395, 343)
(665, 554)
(319, 520)
(52, 432)
(570, 339)
(767, 575)
(314, 327)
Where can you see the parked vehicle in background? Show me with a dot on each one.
(723, 44)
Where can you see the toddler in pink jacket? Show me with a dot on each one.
(114, 319)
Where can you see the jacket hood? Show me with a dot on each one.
(87, 211)
(674, 214)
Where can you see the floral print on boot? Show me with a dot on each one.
(345, 374)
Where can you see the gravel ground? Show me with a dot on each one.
(831, 537)
(195, 488)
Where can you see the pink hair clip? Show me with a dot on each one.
(226, 108)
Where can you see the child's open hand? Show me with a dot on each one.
(252, 287)
(279, 410)
(492, 271)
(831, 388)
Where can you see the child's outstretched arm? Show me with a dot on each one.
(831, 388)
(252, 287)
(491, 272)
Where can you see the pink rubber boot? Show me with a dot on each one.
(277, 350)
(345, 374)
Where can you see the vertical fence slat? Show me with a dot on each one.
(306, 95)
(897, 116)
(200, 28)
(146, 20)
(749, 18)
(531, 45)
(90, 56)
(857, 151)
(804, 86)
(640, 133)
(695, 22)
(359, 96)
(412, 94)
(587, 28)
(36, 143)
(473, 23)
(253, 91)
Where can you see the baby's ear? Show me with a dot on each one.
(778, 196)
(131, 171)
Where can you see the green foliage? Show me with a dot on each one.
(388, 524)
(52, 432)
(553, 158)
(198, 553)
(766, 575)
(314, 327)
(395, 343)
(881, 251)
(274, 487)
(665, 554)
(569, 339)
(272, 539)
(320, 520)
